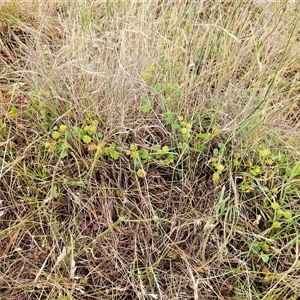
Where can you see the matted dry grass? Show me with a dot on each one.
(77, 227)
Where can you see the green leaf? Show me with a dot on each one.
(146, 107)
(100, 135)
(133, 147)
(55, 192)
(216, 177)
(77, 131)
(86, 139)
(64, 153)
(170, 158)
(68, 135)
(287, 214)
(165, 149)
(222, 148)
(265, 257)
(276, 225)
(204, 136)
(200, 147)
(63, 128)
(256, 247)
(177, 92)
(255, 170)
(185, 148)
(90, 115)
(114, 154)
(172, 255)
(215, 152)
(134, 155)
(275, 205)
(169, 88)
(176, 127)
(295, 171)
(56, 135)
(158, 87)
(143, 153)
(265, 247)
(169, 118)
(13, 112)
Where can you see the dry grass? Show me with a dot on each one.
(85, 225)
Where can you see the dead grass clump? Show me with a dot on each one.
(149, 150)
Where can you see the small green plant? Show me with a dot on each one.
(146, 106)
(112, 151)
(279, 215)
(172, 256)
(171, 120)
(262, 249)
(62, 136)
(13, 112)
(89, 133)
(218, 169)
(138, 155)
(172, 90)
(149, 75)
(59, 143)
(216, 162)
(272, 219)
(141, 173)
(162, 155)
(185, 129)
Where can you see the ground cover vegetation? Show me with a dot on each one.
(149, 150)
